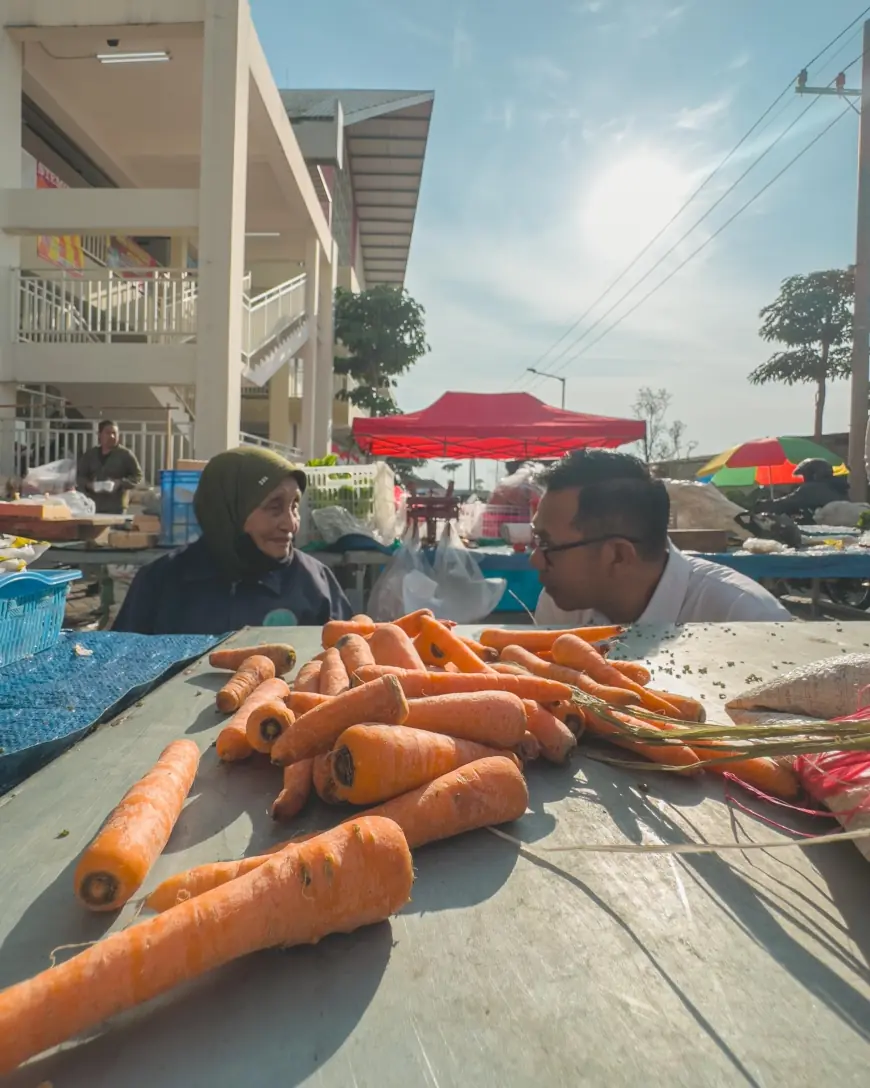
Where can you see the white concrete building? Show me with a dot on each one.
(172, 228)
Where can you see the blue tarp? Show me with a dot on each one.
(51, 700)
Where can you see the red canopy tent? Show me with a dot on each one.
(496, 426)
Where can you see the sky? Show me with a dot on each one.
(565, 135)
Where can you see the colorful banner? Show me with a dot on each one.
(63, 252)
(124, 253)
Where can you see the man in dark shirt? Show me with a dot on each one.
(819, 488)
(108, 472)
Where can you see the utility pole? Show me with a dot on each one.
(861, 318)
(555, 378)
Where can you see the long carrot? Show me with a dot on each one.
(336, 629)
(324, 783)
(251, 673)
(232, 742)
(333, 675)
(297, 789)
(556, 739)
(427, 653)
(373, 763)
(450, 646)
(116, 863)
(390, 645)
(494, 718)
(529, 748)
(536, 639)
(308, 677)
(634, 670)
(266, 723)
(763, 773)
(486, 653)
(687, 708)
(670, 755)
(283, 657)
(517, 657)
(355, 652)
(487, 792)
(302, 701)
(416, 685)
(576, 654)
(315, 732)
(570, 715)
(357, 874)
(410, 624)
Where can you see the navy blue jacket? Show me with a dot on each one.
(186, 594)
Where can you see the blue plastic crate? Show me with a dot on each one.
(32, 604)
(178, 524)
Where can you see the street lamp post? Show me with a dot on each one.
(555, 378)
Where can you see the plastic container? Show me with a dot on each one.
(494, 517)
(32, 604)
(367, 492)
(178, 524)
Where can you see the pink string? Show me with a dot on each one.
(762, 796)
(829, 774)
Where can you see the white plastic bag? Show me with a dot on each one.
(387, 600)
(16, 552)
(462, 593)
(52, 479)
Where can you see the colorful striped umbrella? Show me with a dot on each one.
(765, 462)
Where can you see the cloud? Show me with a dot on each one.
(462, 45)
(540, 70)
(701, 117)
(740, 61)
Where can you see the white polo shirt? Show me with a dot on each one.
(690, 590)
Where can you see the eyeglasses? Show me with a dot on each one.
(548, 550)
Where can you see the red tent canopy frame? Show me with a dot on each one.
(494, 426)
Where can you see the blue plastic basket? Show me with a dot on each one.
(32, 604)
(178, 524)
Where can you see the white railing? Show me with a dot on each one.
(267, 316)
(290, 452)
(107, 305)
(40, 442)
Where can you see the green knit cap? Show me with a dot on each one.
(232, 486)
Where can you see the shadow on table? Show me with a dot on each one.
(272, 1018)
(460, 873)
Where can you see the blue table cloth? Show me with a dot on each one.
(51, 700)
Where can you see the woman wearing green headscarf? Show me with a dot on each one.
(244, 570)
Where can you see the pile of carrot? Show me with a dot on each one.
(426, 730)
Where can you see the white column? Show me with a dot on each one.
(325, 394)
(10, 252)
(279, 406)
(308, 437)
(223, 183)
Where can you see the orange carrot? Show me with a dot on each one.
(301, 701)
(336, 629)
(282, 657)
(494, 718)
(576, 654)
(449, 646)
(487, 792)
(634, 670)
(252, 672)
(355, 875)
(670, 755)
(116, 863)
(529, 748)
(362, 619)
(537, 639)
(266, 723)
(486, 653)
(427, 653)
(390, 645)
(232, 742)
(556, 739)
(410, 624)
(373, 763)
(333, 675)
(687, 708)
(297, 789)
(416, 684)
(316, 731)
(308, 677)
(324, 783)
(571, 715)
(517, 656)
(355, 653)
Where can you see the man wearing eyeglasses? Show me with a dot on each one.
(603, 555)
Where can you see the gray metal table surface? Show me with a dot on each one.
(745, 968)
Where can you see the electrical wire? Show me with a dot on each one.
(707, 241)
(686, 204)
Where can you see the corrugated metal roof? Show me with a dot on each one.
(386, 134)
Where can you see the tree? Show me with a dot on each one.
(451, 468)
(383, 334)
(663, 440)
(812, 317)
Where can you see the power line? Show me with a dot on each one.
(689, 200)
(707, 241)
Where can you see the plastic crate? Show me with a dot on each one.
(496, 516)
(178, 524)
(368, 492)
(32, 604)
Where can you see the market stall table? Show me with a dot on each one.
(577, 968)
